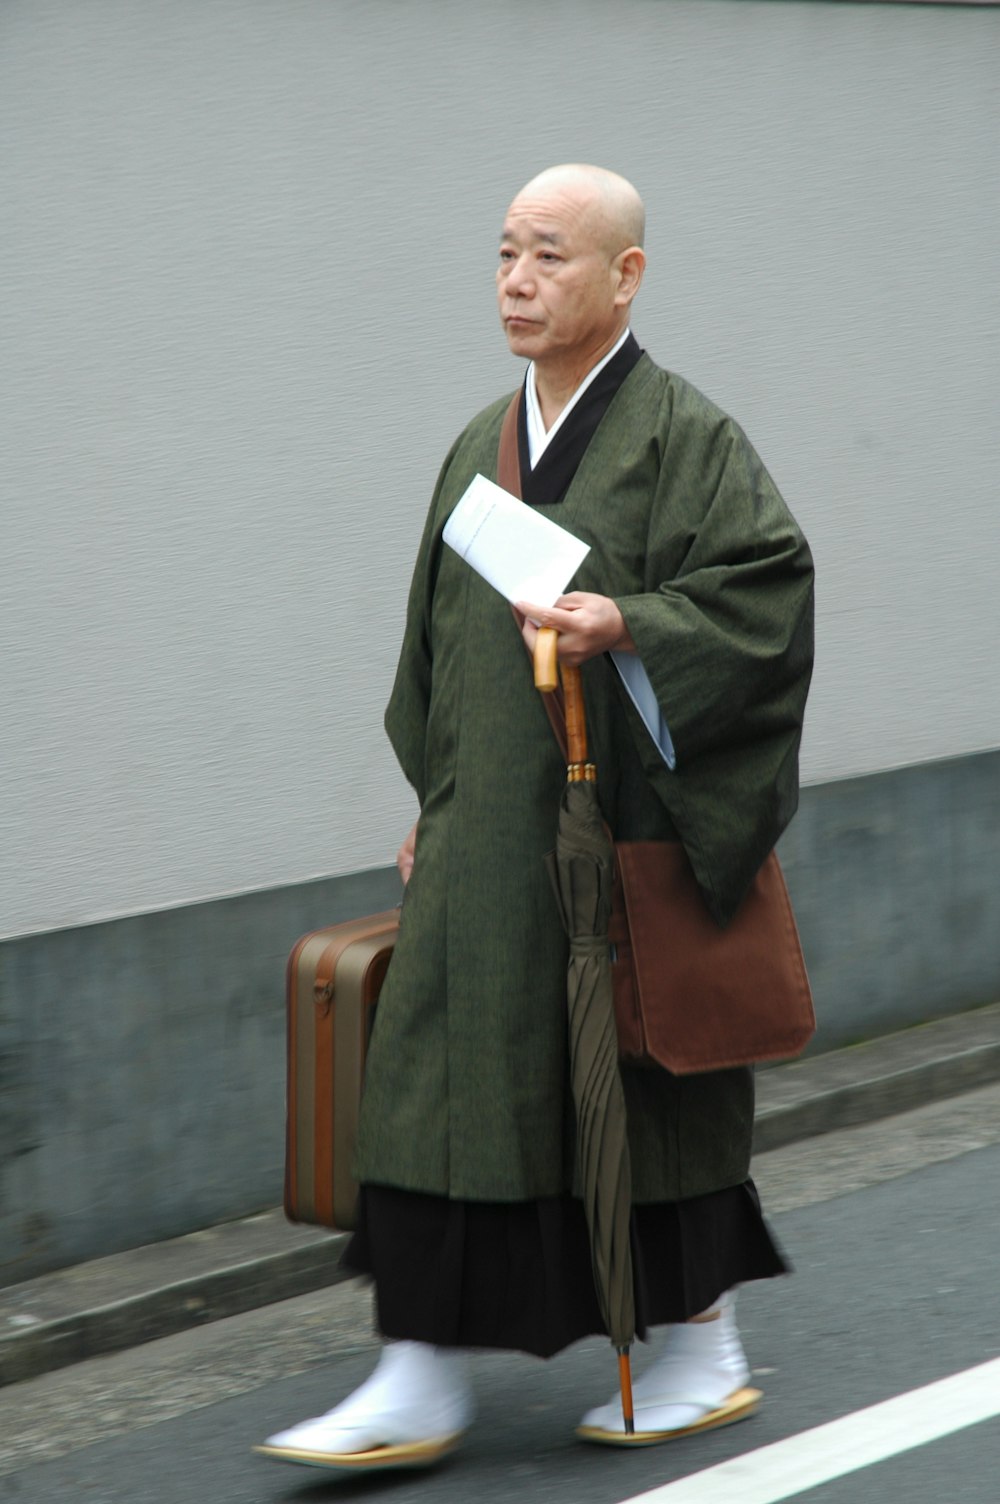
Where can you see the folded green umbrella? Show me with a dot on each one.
(582, 869)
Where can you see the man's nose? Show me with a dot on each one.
(518, 281)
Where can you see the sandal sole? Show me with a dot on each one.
(739, 1406)
(376, 1460)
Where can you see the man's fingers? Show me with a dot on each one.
(546, 616)
(406, 854)
(534, 614)
(587, 624)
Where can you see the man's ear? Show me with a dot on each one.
(630, 265)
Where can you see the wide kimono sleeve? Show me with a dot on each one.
(409, 703)
(724, 630)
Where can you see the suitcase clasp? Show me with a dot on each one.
(323, 994)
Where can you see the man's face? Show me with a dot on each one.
(556, 282)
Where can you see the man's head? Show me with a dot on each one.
(571, 261)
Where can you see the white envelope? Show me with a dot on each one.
(524, 555)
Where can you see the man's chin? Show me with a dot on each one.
(523, 339)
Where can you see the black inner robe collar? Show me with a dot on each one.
(552, 476)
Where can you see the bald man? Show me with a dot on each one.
(693, 622)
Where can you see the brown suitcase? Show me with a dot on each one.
(333, 981)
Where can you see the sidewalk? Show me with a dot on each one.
(150, 1292)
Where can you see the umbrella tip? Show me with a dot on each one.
(625, 1380)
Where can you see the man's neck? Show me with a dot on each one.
(556, 381)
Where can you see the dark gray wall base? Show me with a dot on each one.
(142, 1079)
(895, 881)
(142, 1060)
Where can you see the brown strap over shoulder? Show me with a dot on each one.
(508, 457)
(509, 476)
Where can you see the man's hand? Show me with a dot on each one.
(405, 855)
(587, 625)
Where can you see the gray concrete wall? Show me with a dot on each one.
(142, 1060)
(246, 301)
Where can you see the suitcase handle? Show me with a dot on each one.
(323, 985)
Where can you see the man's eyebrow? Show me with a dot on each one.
(547, 237)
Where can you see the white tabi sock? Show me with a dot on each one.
(416, 1393)
(701, 1365)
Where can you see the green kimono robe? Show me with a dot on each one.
(466, 1090)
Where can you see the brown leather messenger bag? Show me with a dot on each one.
(689, 995)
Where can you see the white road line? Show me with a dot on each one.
(789, 1467)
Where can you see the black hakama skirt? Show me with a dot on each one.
(518, 1275)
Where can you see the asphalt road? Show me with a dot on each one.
(893, 1230)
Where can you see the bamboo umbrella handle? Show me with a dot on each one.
(547, 674)
(546, 660)
(576, 724)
